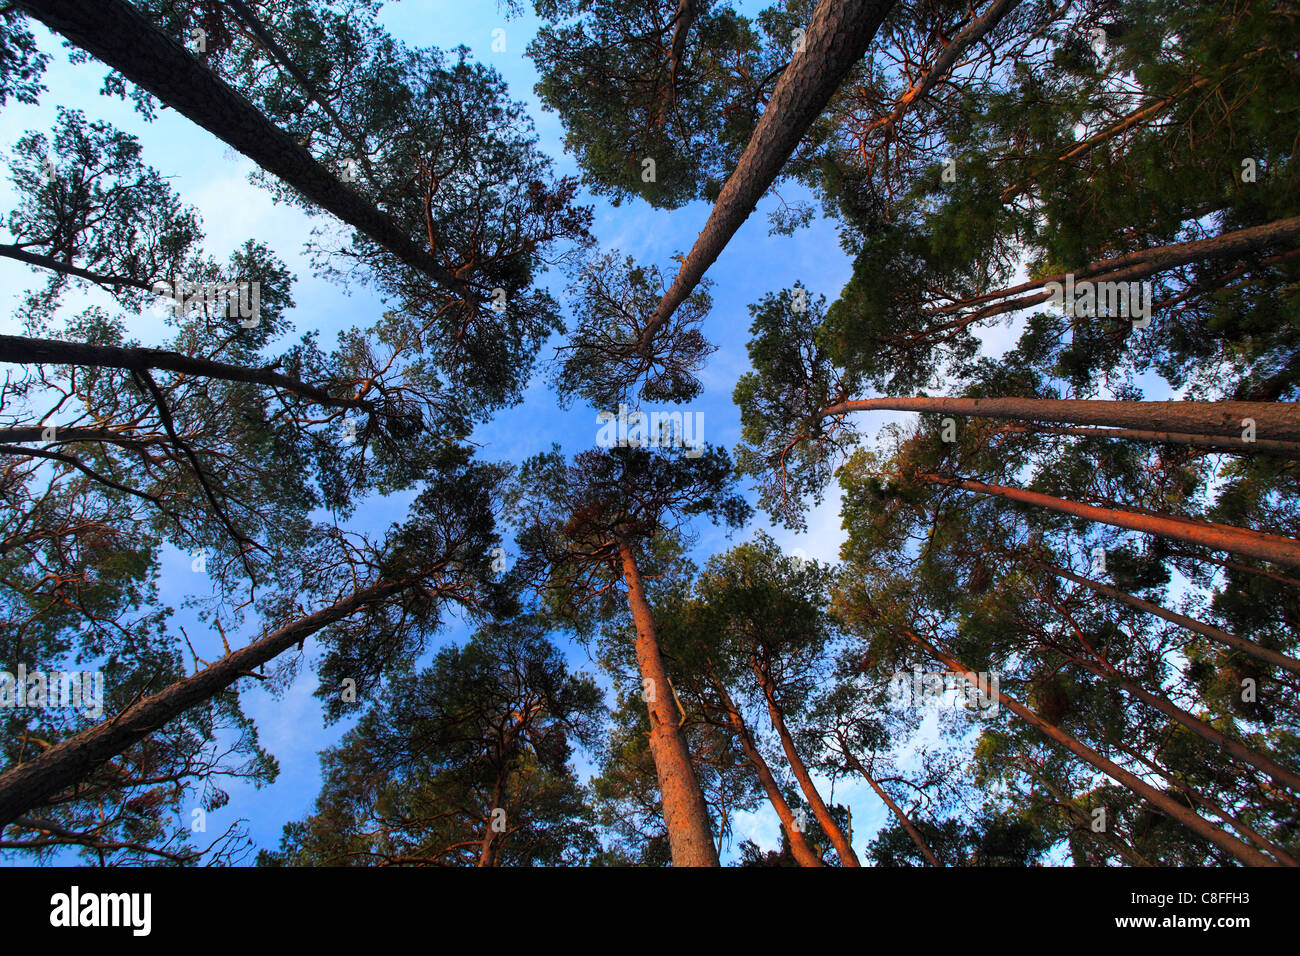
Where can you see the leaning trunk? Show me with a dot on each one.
(834, 43)
(1160, 800)
(1223, 420)
(799, 847)
(1218, 537)
(32, 783)
(120, 35)
(819, 808)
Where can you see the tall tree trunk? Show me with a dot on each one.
(942, 66)
(800, 771)
(488, 855)
(1130, 267)
(686, 815)
(1205, 630)
(1207, 443)
(1276, 420)
(30, 784)
(836, 39)
(1161, 801)
(1130, 856)
(1203, 801)
(1255, 544)
(799, 847)
(117, 33)
(18, 349)
(898, 812)
(67, 268)
(1200, 728)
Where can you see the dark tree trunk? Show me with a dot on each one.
(27, 351)
(117, 33)
(836, 39)
(30, 784)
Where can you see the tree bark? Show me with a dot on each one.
(1127, 852)
(800, 771)
(836, 39)
(686, 815)
(1207, 443)
(1201, 800)
(799, 847)
(31, 351)
(1200, 728)
(67, 268)
(117, 33)
(1275, 420)
(903, 818)
(30, 784)
(1219, 537)
(1129, 267)
(1162, 801)
(943, 64)
(1205, 630)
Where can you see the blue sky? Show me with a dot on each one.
(214, 181)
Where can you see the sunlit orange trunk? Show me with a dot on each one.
(799, 847)
(1274, 420)
(1219, 537)
(819, 808)
(685, 813)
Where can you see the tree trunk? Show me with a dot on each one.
(799, 847)
(31, 351)
(819, 808)
(1162, 801)
(903, 818)
(1201, 800)
(686, 815)
(1130, 856)
(1129, 267)
(30, 784)
(1206, 443)
(1205, 630)
(1275, 420)
(836, 39)
(943, 65)
(117, 33)
(488, 855)
(1197, 726)
(1219, 537)
(67, 268)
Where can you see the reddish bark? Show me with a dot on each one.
(799, 847)
(800, 771)
(1219, 537)
(1162, 801)
(686, 815)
